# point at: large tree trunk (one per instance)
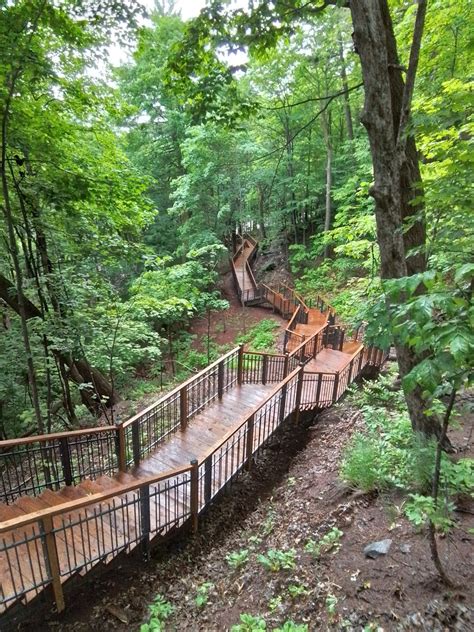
(397, 181)
(79, 370)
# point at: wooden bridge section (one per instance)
(75, 500)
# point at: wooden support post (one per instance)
(249, 443)
(240, 365)
(145, 521)
(285, 365)
(302, 349)
(361, 358)
(121, 448)
(194, 495)
(341, 339)
(335, 389)
(53, 561)
(65, 460)
(318, 389)
(136, 442)
(220, 379)
(183, 408)
(351, 364)
(281, 412)
(264, 369)
(299, 391)
(208, 480)
(316, 341)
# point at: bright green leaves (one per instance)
(437, 325)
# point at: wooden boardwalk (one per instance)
(205, 431)
(74, 500)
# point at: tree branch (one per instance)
(314, 99)
(411, 75)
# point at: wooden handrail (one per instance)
(305, 342)
(252, 413)
(291, 323)
(178, 388)
(92, 499)
(262, 353)
(12, 443)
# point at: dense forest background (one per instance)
(122, 187)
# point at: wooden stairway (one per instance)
(117, 488)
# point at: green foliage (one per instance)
(420, 509)
(291, 626)
(387, 455)
(331, 603)
(297, 590)
(249, 623)
(160, 611)
(260, 337)
(236, 559)
(202, 596)
(276, 560)
(329, 542)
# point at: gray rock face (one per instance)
(376, 549)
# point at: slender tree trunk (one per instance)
(79, 370)
(13, 248)
(261, 210)
(325, 123)
(345, 85)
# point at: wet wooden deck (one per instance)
(205, 430)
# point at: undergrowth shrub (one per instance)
(260, 337)
(387, 454)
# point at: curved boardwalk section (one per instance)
(74, 500)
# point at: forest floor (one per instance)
(292, 494)
(228, 325)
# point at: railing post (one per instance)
(281, 412)
(183, 408)
(350, 372)
(136, 442)
(285, 365)
(318, 389)
(249, 443)
(65, 460)
(194, 495)
(299, 391)
(144, 499)
(240, 365)
(302, 349)
(264, 369)
(208, 479)
(316, 340)
(220, 379)
(335, 389)
(121, 448)
(341, 339)
(361, 359)
(53, 561)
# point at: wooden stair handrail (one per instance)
(247, 415)
(91, 499)
(178, 388)
(13, 443)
